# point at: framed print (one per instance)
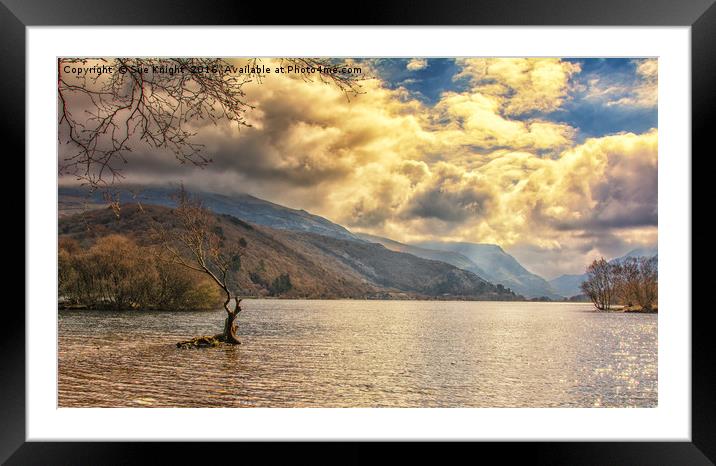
(425, 224)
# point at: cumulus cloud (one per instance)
(475, 119)
(639, 91)
(520, 85)
(416, 64)
(483, 164)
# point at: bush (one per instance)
(280, 285)
(116, 273)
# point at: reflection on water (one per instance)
(363, 354)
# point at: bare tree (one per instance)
(637, 281)
(124, 102)
(193, 243)
(650, 278)
(600, 285)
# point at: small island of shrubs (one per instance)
(628, 285)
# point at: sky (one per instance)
(553, 159)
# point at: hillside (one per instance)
(397, 270)
(243, 206)
(318, 266)
(449, 257)
(496, 266)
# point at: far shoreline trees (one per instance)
(632, 282)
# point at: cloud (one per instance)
(449, 194)
(475, 119)
(520, 85)
(416, 64)
(604, 183)
(638, 90)
(482, 164)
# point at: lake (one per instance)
(299, 353)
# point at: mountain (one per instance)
(638, 252)
(244, 206)
(449, 257)
(569, 285)
(401, 271)
(318, 266)
(496, 266)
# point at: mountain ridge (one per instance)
(490, 262)
(319, 267)
(244, 206)
(499, 266)
(453, 258)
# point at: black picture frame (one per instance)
(700, 15)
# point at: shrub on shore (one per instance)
(116, 273)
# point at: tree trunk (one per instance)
(227, 336)
(230, 335)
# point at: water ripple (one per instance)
(363, 354)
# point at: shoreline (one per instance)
(630, 310)
(80, 308)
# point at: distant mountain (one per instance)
(405, 272)
(318, 266)
(496, 266)
(449, 257)
(638, 252)
(569, 285)
(243, 206)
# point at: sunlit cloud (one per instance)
(417, 64)
(640, 90)
(520, 85)
(486, 162)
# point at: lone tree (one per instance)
(191, 241)
(600, 285)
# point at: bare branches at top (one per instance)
(631, 281)
(192, 241)
(102, 117)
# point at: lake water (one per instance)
(363, 354)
